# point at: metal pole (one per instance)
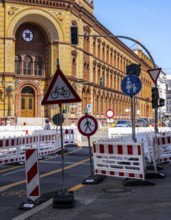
(156, 116)
(62, 148)
(133, 117)
(91, 163)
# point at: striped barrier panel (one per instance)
(119, 159)
(32, 174)
(13, 149)
(163, 144)
(68, 136)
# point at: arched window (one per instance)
(38, 66)
(17, 65)
(27, 65)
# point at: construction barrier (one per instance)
(32, 174)
(163, 145)
(119, 159)
(12, 149)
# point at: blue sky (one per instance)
(148, 20)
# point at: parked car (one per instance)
(123, 123)
(141, 123)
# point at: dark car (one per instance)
(141, 122)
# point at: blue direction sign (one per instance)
(131, 85)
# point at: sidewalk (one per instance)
(111, 200)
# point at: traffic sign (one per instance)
(110, 113)
(131, 85)
(58, 119)
(89, 107)
(87, 125)
(154, 73)
(60, 91)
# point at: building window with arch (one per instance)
(27, 65)
(17, 65)
(38, 66)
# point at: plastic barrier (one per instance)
(32, 174)
(163, 145)
(13, 149)
(119, 159)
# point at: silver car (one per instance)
(123, 123)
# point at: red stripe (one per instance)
(35, 192)
(163, 140)
(141, 176)
(130, 149)
(94, 148)
(32, 172)
(103, 171)
(7, 143)
(12, 142)
(66, 131)
(1, 143)
(121, 174)
(139, 150)
(120, 150)
(110, 149)
(112, 173)
(29, 152)
(101, 148)
(168, 140)
(131, 175)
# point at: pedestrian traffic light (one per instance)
(133, 69)
(102, 81)
(155, 97)
(161, 102)
(74, 35)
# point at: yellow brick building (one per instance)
(35, 33)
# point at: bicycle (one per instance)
(60, 91)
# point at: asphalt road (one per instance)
(13, 186)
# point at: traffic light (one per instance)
(155, 97)
(161, 102)
(74, 35)
(102, 81)
(133, 69)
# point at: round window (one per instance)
(27, 35)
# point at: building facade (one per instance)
(34, 34)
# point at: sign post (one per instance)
(154, 74)
(60, 91)
(87, 126)
(131, 85)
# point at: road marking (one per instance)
(2, 188)
(6, 174)
(11, 168)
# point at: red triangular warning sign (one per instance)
(154, 73)
(60, 91)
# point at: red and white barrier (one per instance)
(68, 136)
(163, 145)
(13, 149)
(119, 159)
(32, 174)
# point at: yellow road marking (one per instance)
(44, 175)
(11, 168)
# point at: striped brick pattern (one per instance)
(32, 174)
(119, 159)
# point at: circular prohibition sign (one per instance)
(87, 125)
